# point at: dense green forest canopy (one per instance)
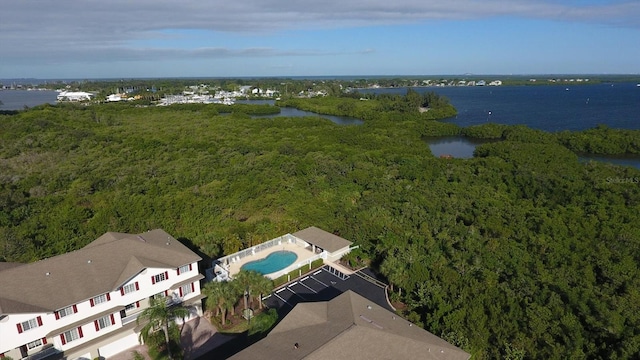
(411, 106)
(520, 251)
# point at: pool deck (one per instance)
(303, 255)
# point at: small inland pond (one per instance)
(453, 146)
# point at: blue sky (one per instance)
(144, 38)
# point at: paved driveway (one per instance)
(198, 337)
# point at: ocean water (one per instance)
(544, 107)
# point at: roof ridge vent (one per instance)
(371, 322)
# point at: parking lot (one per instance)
(325, 284)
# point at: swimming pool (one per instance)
(273, 262)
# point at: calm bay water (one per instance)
(18, 99)
(544, 107)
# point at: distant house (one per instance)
(348, 327)
(84, 304)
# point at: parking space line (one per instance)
(281, 298)
(316, 280)
(319, 281)
(296, 294)
(301, 283)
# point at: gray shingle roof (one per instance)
(102, 266)
(323, 239)
(348, 327)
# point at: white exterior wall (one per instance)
(332, 257)
(10, 339)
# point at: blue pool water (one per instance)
(273, 262)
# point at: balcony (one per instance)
(130, 318)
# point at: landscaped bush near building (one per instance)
(263, 322)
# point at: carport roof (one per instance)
(322, 239)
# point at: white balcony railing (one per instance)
(130, 318)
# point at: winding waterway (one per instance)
(545, 107)
(293, 112)
(462, 148)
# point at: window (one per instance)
(104, 322)
(71, 335)
(69, 310)
(29, 324)
(34, 344)
(160, 295)
(184, 269)
(127, 289)
(132, 306)
(160, 277)
(100, 299)
(186, 289)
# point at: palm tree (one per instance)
(263, 286)
(221, 296)
(157, 317)
(247, 282)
